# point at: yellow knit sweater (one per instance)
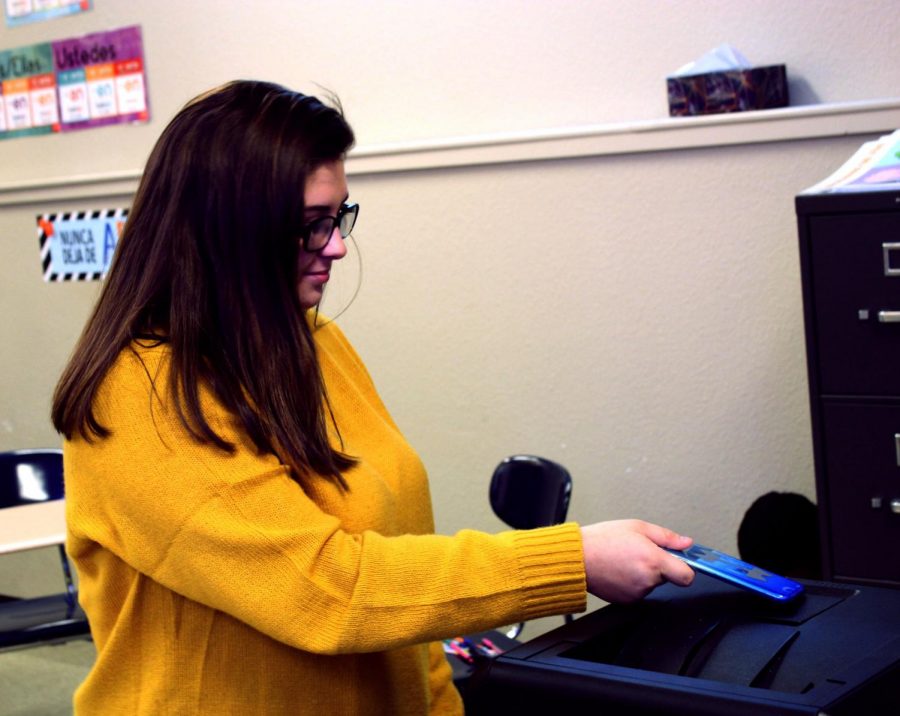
(214, 584)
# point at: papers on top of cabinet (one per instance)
(875, 166)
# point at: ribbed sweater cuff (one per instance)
(551, 565)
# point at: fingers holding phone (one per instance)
(624, 560)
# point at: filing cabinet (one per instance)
(850, 269)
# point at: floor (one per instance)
(40, 681)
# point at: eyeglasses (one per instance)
(316, 234)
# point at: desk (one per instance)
(42, 524)
(39, 620)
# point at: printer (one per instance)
(709, 649)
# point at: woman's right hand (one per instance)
(624, 560)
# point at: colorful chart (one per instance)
(79, 83)
(20, 12)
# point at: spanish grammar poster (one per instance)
(77, 83)
(21, 12)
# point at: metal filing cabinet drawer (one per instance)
(862, 461)
(856, 272)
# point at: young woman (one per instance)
(252, 533)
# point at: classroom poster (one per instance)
(78, 83)
(79, 246)
(27, 92)
(20, 12)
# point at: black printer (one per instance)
(709, 649)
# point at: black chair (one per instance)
(526, 492)
(28, 477)
(529, 492)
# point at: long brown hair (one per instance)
(208, 262)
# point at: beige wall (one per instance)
(638, 319)
(635, 317)
(425, 69)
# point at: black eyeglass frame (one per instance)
(336, 222)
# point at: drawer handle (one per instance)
(889, 316)
(886, 249)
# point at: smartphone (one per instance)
(731, 569)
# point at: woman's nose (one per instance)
(336, 248)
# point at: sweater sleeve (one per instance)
(236, 533)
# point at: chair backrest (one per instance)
(29, 476)
(529, 491)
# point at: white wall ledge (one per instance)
(668, 134)
(671, 133)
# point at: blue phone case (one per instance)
(731, 569)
